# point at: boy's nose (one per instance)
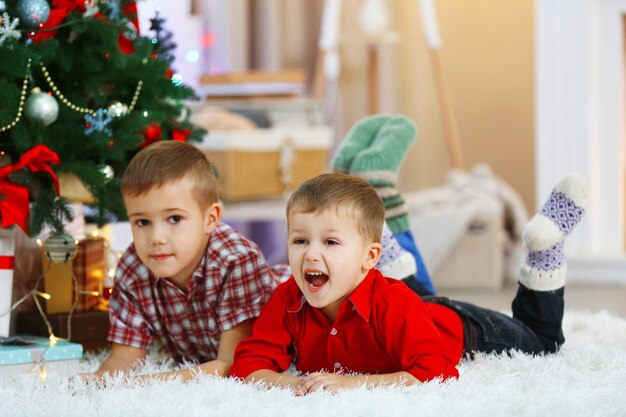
(158, 237)
(312, 254)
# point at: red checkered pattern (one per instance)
(231, 284)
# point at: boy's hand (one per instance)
(327, 382)
(88, 378)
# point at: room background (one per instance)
(534, 87)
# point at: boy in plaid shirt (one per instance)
(187, 280)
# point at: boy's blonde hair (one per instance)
(166, 161)
(337, 191)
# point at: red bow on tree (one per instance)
(15, 206)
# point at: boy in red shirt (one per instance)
(188, 280)
(344, 324)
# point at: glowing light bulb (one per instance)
(43, 372)
(43, 295)
(192, 56)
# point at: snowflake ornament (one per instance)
(98, 123)
(91, 8)
(7, 28)
(115, 9)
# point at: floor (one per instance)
(578, 297)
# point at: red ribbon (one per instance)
(181, 135)
(15, 207)
(7, 262)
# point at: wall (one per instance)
(488, 60)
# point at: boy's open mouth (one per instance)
(316, 279)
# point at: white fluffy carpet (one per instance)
(586, 378)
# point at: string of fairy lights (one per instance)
(62, 254)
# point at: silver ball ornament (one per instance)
(42, 108)
(60, 248)
(32, 13)
(117, 109)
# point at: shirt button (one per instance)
(337, 365)
(333, 331)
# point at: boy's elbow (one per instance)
(217, 367)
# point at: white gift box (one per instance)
(7, 261)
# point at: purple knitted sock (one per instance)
(544, 268)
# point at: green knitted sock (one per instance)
(379, 164)
(358, 138)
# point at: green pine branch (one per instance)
(91, 72)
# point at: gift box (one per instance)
(7, 261)
(263, 163)
(88, 267)
(90, 328)
(25, 353)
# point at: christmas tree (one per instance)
(80, 93)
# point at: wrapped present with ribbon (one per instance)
(89, 267)
(38, 354)
(7, 261)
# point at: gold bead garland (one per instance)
(20, 107)
(60, 95)
(85, 110)
(135, 96)
(64, 100)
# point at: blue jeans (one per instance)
(535, 327)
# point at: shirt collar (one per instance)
(361, 297)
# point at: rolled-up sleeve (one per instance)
(271, 344)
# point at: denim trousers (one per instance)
(535, 328)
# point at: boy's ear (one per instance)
(373, 255)
(213, 216)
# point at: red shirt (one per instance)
(231, 284)
(383, 327)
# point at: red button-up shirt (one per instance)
(383, 327)
(231, 284)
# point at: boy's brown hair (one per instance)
(166, 161)
(336, 191)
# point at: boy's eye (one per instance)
(332, 242)
(299, 241)
(175, 219)
(141, 222)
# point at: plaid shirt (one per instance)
(231, 284)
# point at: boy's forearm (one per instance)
(121, 359)
(118, 364)
(215, 368)
(274, 379)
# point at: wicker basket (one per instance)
(265, 163)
